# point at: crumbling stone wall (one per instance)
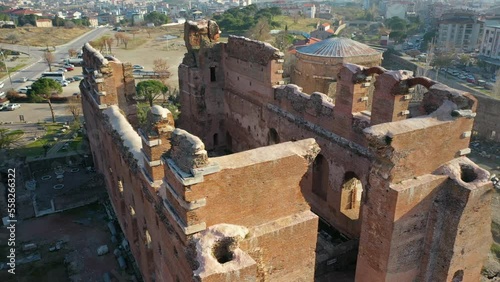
(109, 82)
(395, 155)
(486, 123)
(168, 196)
(203, 102)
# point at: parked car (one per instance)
(138, 67)
(23, 90)
(471, 80)
(11, 107)
(70, 79)
(70, 68)
(489, 85)
(62, 70)
(2, 84)
(77, 78)
(23, 79)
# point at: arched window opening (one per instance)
(320, 177)
(458, 276)
(212, 74)
(352, 191)
(147, 239)
(273, 137)
(216, 139)
(229, 142)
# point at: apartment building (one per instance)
(460, 31)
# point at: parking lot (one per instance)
(67, 90)
(36, 112)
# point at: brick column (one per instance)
(390, 98)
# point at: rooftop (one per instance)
(337, 47)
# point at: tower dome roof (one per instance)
(339, 47)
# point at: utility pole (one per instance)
(6, 68)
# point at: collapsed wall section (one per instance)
(169, 196)
(109, 82)
(377, 176)
(486, 123)
(201, 81)
(423, 195)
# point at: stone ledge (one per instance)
(196, 175)
(188, 230)
(185, 204)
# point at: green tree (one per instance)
(150, 90)
(157, 18)
(57, 21)
(4, 17)
(396, 23)
(398, 35)
(464, 59)
(443, 60)
(43, 89)
(27, 19)
(9, 137)
(428, 37)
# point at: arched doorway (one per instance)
(216, 140)
(320, 177)
(352, 191)
(273, 137)
(229, 142)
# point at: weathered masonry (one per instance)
(237, 193)
(391, 174)
(188, 216)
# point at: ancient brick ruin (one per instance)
(394, 176)
(229, 196)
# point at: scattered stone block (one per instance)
(29, 247)
(117, 252)
(30, 258)
(121, 262)
(102, 250)
(106, 277)
(112, 228)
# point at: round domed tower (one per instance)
(318, 64)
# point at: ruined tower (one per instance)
(394, 177)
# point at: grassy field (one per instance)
(52, 131)
(36, 148)
(49, 36)
(301, 24)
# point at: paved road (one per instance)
(38, 66)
